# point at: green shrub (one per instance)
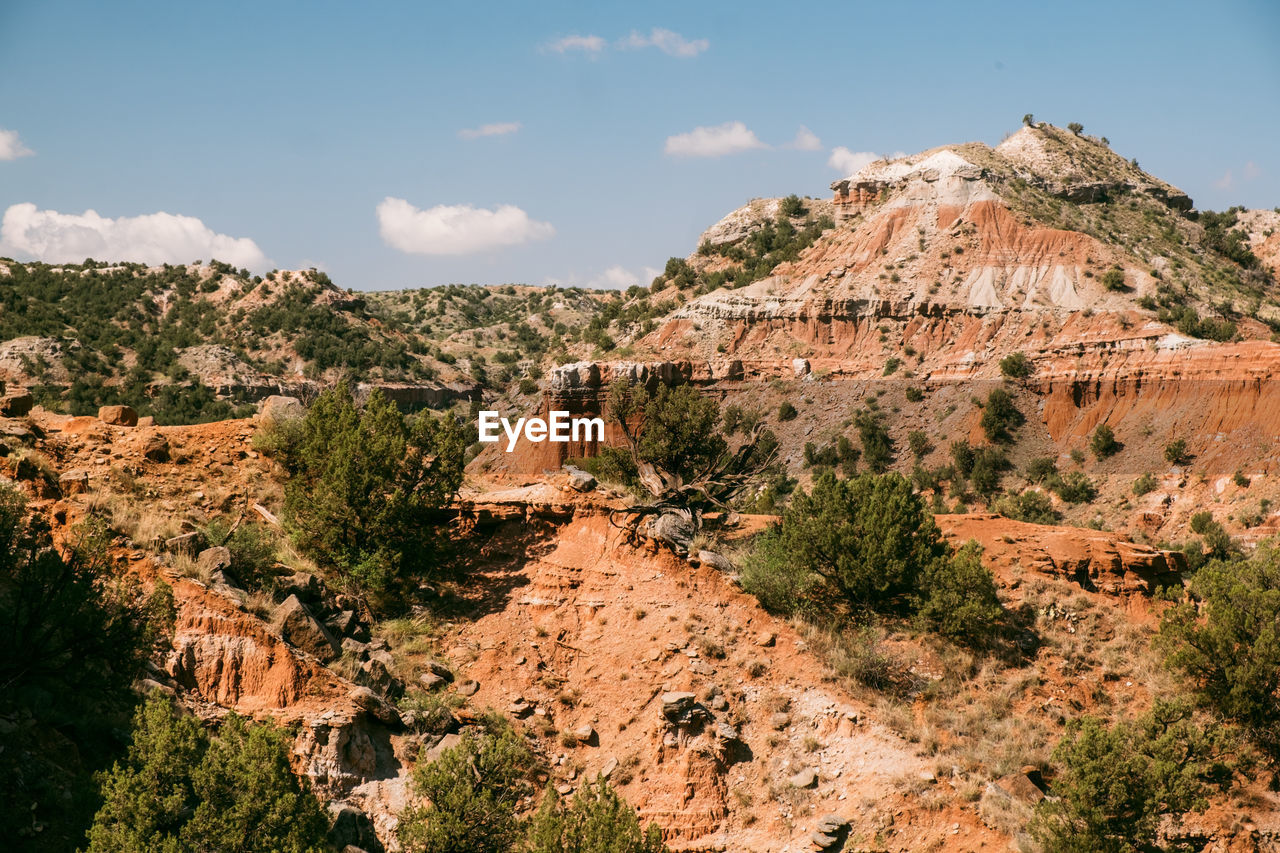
(181, 790)
(1201, 521)
(1103, 442)
(1117, 785)
(1000, 417)
(1040, 469)
(596, 820)
(610, 465)
(74, 634)
(958, 596)
(252, 547)
(1175, 452)
(362, 488)
(891, 365)
(791, 206)
(769, 573)
(989, 465)
(1074, 488)
(1034, 507)
(914, 395)
(1113, 279)
(1016, 366)
(877, 446)
(1144, 484)
(786, 411)
(919, 444)
(870, 536)
(473, 792)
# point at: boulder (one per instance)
(74, 483)
(447, 742)
(156, 449)
(579, 480)
(146, 421)
(439, 669)
(800, 367)
(376, 675)
(118, 415)
(715, 561)
(217, 558)
(429, 680)
(186, 543)
(676, 704)
(372, 704)
(296, 624)
(304, 585)
(355, 648)
(674, 529)
(584, 733)
(277, 408)
(467, 688)
(345, 624)
(1016, 786)
(350, 827)
(16, 404)
(806, 778)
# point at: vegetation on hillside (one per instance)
(362, 487)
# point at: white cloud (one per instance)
(11, 147)
(616, 277)
(498, 129)
(847, 162)
(1251, 171)
(153, 238)
(670, 43)
(455, 229)
(806, 140)
(728, 138)
(1226, 182)
(587, 44)
(619, 278)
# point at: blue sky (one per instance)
(290, 124)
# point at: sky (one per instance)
(418, 144)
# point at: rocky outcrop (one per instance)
(1094, 559)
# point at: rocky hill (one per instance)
(1071, 364)
(199, 342)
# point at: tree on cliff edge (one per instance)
(362, 487)
(681, 458)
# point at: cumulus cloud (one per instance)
(498, 129)
(806, 140)
(670, 43)
(847, 162)
(455, 229)
(618, 277)
(1226, 182)
(11, 147)
(153, 238)
(728, 138)
(592, 45)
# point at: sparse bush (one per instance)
(1000, 416)
(1113, 279)
(877, 446)
(1103, 442)
(1074, 488)
(182, 790)
(1175, 452)
(596, 820)
(1144, 484)
(1117, 784)
(1034, 507)
(919, 444)
(786, 411)
(1040, 469)
(959, 596)
(914, 395)
(362, 487)
(473, 791)
(1016, 366)
(1076, 127)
